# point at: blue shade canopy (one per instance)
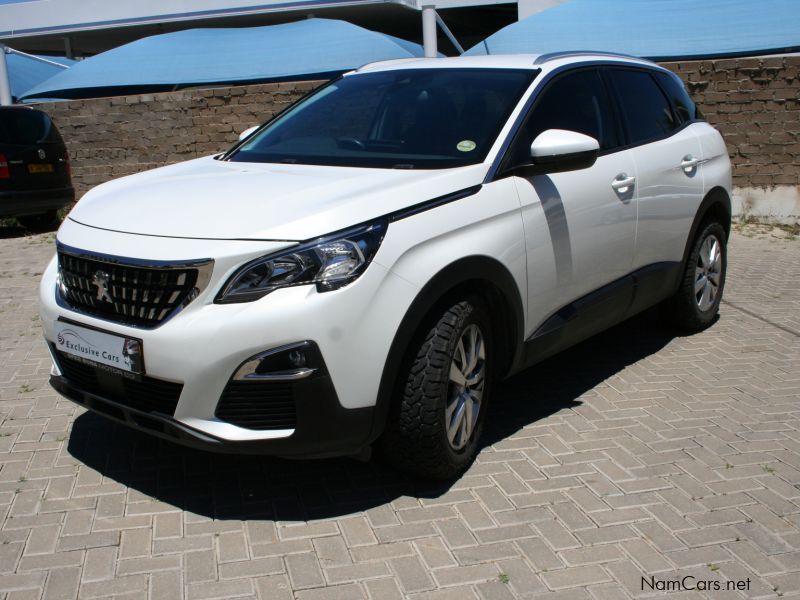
(655, 29)
(308, 49)
(25, 72)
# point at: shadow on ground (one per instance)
(11, 228)
(251, 487)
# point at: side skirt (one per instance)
(600, 310)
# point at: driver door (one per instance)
(580, 226)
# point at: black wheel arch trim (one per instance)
(715, 197)
(463, 272)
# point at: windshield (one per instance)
(405, 119)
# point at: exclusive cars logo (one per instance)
(72, 340)
(100, 280)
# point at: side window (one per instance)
(575, 102)
(644, 106)
(684, 107)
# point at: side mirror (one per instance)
(247, 132)
(558, 150)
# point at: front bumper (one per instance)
(200, 348)
(323, 427)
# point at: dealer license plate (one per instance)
(100, 348)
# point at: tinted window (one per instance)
(644, 106)
(575, 102)
(24, 126)
(684, 107)
(421, 118)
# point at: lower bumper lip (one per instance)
(324, 427)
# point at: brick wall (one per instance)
(112, 137)
(755, 102)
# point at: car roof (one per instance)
(546, 61)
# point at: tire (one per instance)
(43, 222)
(417, 438)
(694, 306)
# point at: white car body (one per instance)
(558, 238)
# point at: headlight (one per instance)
(330, 262)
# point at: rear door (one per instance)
(33, 150)
(668, 164)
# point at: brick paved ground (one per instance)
(637, 453)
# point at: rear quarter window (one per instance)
(645, 109)
(685, 108)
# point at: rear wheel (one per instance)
(440, 405)
(696, 302)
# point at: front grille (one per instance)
(142, 296)
(258, 405)
(147, 395)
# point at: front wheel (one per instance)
(440, 405)
(696, 302)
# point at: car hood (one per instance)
(212, 199)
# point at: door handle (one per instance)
(689, 162)
(622, 182)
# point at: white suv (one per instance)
(359, 271)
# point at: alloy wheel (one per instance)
(708, 273)
(467, 381)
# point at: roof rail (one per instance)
(543, 58)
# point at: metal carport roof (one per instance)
(656, 29)
(307, 49)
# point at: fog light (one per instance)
(297, 358)
(287, 363)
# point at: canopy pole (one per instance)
(449, 34)
(36, 58)
(5, 81)
(429, 31)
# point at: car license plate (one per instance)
(40, 168)
(100, 348)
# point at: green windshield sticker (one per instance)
(466, 145)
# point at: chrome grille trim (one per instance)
(138, 289)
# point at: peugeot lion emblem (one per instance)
(100, 280)
(42, 154)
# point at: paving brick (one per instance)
(435, 554)
(412, 575)
(275, 587)
(574, 577)
(62, 584)
(350, 591)
(357, 572)
(486, 553)
(100, 564)
(220, 589)
(464, 575)
(166, 585)
(521, 577)
(383, 589)
(304, 571)
(591, 555)
(331, 551)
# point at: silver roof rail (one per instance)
(543, 58)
